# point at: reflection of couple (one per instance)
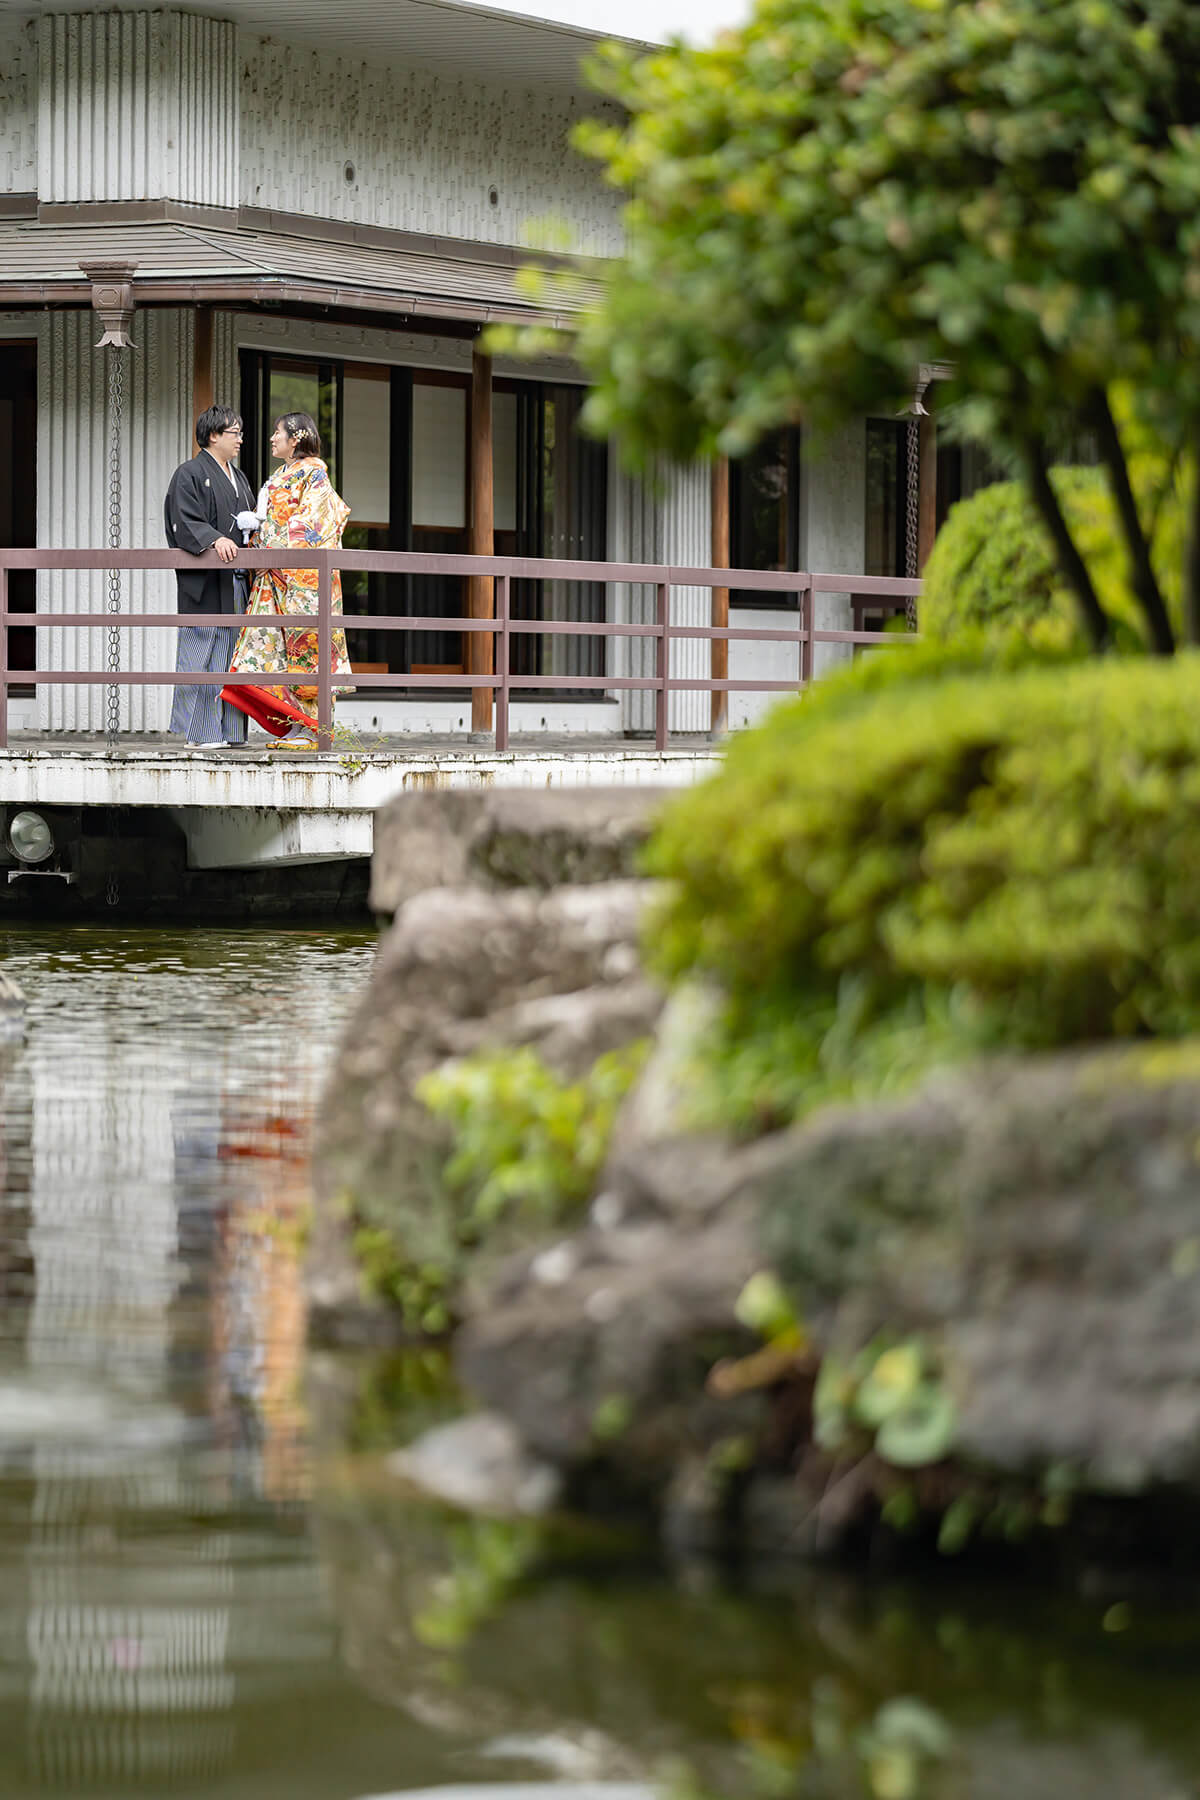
(210, 506)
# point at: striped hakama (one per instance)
(199, 713)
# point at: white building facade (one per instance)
(323, 208)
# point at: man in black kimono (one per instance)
(209, 503)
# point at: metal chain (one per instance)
(912, 507)
(116, 409)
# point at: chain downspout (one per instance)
(116, 412)
(113, 300)
(912, 509)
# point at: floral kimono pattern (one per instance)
(302, 507)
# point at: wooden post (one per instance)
(503, 613)
(926, 485)
(324, 652)
(808, 624)
(202, 362)
(480, 657)
(662, 666)
(719, 714)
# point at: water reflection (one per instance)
(210, 1589)
(153, 1151)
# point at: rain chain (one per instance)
(116, 408)
(912, 509)
(112, 708)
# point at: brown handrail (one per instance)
(505, 569)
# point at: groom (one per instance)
(206, 502)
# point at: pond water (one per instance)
(210, 1587)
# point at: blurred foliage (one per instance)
(526, 1151)
(888, 1397)
(524, 1141)
(845, 191)
(401, 1394)
(914, 863)
(765, 1306)
(903, 1751)
(421, 1291)
(487, 1558)
(993, 565)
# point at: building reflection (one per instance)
(151, 1432)
(16, 1149)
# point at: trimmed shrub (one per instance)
(966, 859)
(993, 565)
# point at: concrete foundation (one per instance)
(256, 833)
(133, 863)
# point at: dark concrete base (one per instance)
(131, 863)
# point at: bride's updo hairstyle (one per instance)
(302, 427)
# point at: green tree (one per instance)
(847, 190)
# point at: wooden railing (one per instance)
(488, 664)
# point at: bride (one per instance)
(298, 505)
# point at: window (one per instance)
(272, 385)
(398, 449)
(18, 485)
(887, 494)
(890, 446)
(764, 513)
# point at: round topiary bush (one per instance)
(993, 565)
(1016, 855)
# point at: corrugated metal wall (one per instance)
(226, 385)
(687, 540)
(73, 445)
(667, 520)
(634, 535)
(18, 108)
(424, 151)
(137, 106)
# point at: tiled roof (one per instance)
(40, 262)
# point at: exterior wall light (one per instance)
(29, 837)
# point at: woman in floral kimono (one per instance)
(298, 505)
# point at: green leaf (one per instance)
(921, 1432)
(891, 1385)
(764, 1307)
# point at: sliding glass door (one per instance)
(551, 500)
(18, 486)
(397, 443)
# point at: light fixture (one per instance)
(29, 837)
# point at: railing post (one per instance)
(808, 614)
(718, 718)
(501, 641)
(481, 541)
(325, 652)
(662, 665)
(3, 657)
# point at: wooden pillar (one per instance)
(480, 597)
(202, 363)
(719, 714)
(926, 485)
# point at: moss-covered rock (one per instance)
(461, 971)
(1036, 1222)
(507, 838)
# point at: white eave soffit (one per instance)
(449, 36)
